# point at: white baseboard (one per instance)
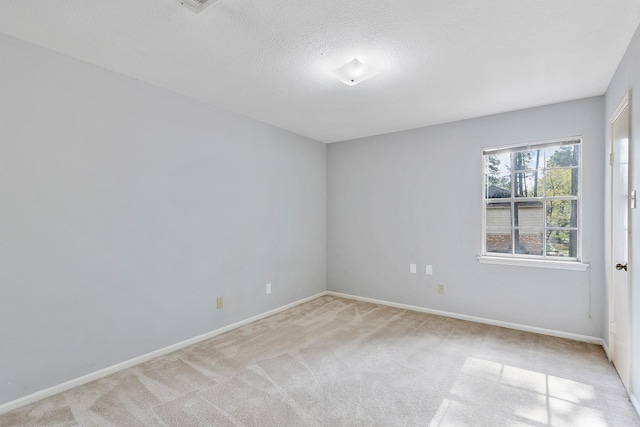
(605, 346)
(635, 403)
(39, 395)
(34, 397)
(509, 325)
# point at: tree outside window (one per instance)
(532, 200)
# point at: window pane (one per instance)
(532, 159)
(564, 156)
(531, 199)
(562, 213)
(498, 186)
(498, 241)
(498, 217)
(497, 163)
(528, 214)
(529, 242)
(528, 184)
(561, 182)
(562, 243)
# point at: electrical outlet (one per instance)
(412, 268)
(441, 289)
(219, 302)
(268, 290)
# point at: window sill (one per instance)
(537, 263)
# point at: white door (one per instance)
(620, 312)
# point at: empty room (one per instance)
(285, 213)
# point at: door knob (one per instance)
(621, 267)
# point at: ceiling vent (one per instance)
(197, 5)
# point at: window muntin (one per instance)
(532, 201)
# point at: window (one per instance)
(532, 201)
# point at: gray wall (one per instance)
(627, 78)
(416, 197)
(126, 210)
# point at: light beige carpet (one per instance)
(338, 362)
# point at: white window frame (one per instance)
(544, 260)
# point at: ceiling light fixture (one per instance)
(354, 72)
(197, 5)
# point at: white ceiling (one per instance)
(439, 61)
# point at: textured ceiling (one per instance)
(439, 61)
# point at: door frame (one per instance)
(625, 103)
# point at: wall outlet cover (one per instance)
(412, 268)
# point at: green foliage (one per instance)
(564, 156)
(494, 178)
(558, 182)
(493, 164)
(560, 177)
